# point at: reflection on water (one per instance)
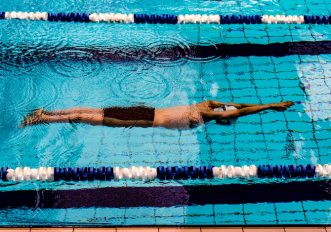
(166, 196)
(163, 53)
(315, 78)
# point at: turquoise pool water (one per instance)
(73, 76)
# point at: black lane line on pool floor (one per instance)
(168, 196)
(162, 52)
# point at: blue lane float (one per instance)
(164, 173)
(155, 19)
(167, 18)
(68, 17)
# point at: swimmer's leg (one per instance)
(113, 122)
(93, 119)
(77, 110)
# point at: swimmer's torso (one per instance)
(182, 117)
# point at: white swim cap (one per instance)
(227, 121)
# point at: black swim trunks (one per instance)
(130, 113)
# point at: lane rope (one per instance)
(164, 173)
(168, 18)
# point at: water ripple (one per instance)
(85, 61)
(142, 85)
(14, 136)
(75, 63)
(19, 93)
(204, 52)
(167, 52)
(34, 48)
(17, 59)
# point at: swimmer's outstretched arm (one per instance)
(246, 111)
(215, 104)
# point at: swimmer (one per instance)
(177, 117)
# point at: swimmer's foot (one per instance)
(32, 118)
(282, 106)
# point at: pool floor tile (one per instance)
(260, 229)
(94, 229)
(179, 229)
(305, 229)
(52, 229)
(15, 229)
(222, 229)
(174, 229)
(155, 229)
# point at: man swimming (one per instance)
(177, 117)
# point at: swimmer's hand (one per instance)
(281, 106)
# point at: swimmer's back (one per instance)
(181, 117)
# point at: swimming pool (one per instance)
(56, 65)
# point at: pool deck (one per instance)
(175, 229)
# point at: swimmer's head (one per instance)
(227, 121)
